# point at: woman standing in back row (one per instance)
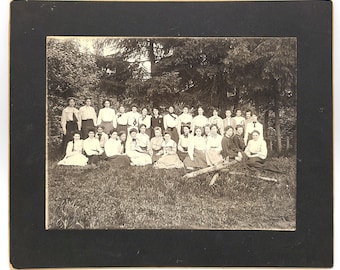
(70, 122)
(107, 117)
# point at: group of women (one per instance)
(169, 141)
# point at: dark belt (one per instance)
(144, 147)
(171, 128)
(185, 148)
(87, 120)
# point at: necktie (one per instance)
(135, 122)
(254, 124)
(100, 136)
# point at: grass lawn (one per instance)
(147, 198)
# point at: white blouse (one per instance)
(107, 115)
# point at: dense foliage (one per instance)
(256, 73)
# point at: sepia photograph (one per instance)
(171, 133)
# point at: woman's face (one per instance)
(142, 129)
(88, 102)
(155, 112)
(215, 113)
(144, 111)
(198, 132)
(134, 109)
(207, 130)
(107, 104)
(100, 130)
(123, 137)
(91, 134)
(167, 137)
(76, 137)
(158, 133)
(255, 136)
(186, 130)
(185, 110)
(213, 130)
(121, 109)
(71, 103)
(227, 113)
(171, 109)
(229, 132)
(239, 130)
(238, 113)
(114, 135)
(200, 111)
(133, 135)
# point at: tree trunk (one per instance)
(277, 124)
(270, 144)
(265, 124)
(151, 58)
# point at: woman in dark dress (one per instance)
(70, 122)
(156, 121)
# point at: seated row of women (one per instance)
(192, 151)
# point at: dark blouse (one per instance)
(157, 122)
(238, 142)
(228, 148)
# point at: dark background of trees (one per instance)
(223, 73)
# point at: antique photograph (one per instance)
(189, 133)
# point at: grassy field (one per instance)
(146, 198)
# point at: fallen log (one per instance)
(214, 168)
(255, 176)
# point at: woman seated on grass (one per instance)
(156, 142)
(169, 159)
(196, 151)
(114, 151)
(183, 143)
(228, 148)
(137, 155)
(122, 138)
(74, 152)
(92, 148)
(256, 151)
(214, 147)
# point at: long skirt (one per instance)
(121, 128)
(119, 161)
(255, 162)
(173, 133)
(71, 126)
(75, 160)
(107, 126)
(182, 155)
(199, 160)
(86, 125)
(139, 159)
(169, 162)
(213, 157)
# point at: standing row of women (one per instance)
(85, 119)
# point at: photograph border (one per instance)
(310, 245)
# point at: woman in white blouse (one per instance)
(74, 152)
(216, 120)
(107, 117)
(169, 159)
(256, 151)
(145, 119)
(196, 151)
(114, 150)
(137, 155)
(183, 143)
(171, 124)
(214, 147)
(200, 120)
(184, 119)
